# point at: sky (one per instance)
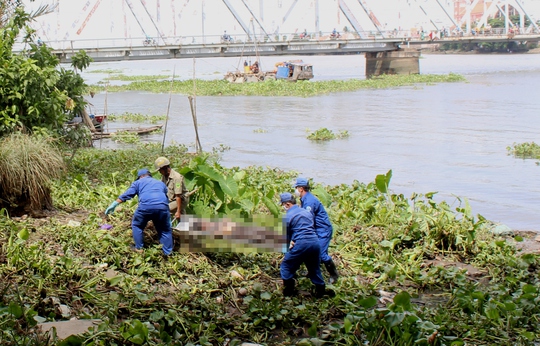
(116, 19)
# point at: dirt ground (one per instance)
(530, 243)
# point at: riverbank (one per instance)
(431, 49)
(410, 268)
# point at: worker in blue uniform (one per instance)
(322, 224)
(303, 247)
(153, 205)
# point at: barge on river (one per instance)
(292, 70)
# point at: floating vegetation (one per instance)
(128, 137)
(136, 118)
(392, 252)
(127, 78)
(104, 71)
(525, 150)
(325, 134)
(221, 149)
(279, 87)
(260, 130)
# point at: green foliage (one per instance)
(105, 71)
(398, 259)
(499, 22)
(282, 88)
(324, 134)
(36, 92)
(228, 192)
(487, 47)
(525, 150)
(125, 137)
(383, 181)
(123, 77)
(136, 117)
(80, 60)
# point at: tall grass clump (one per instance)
(28, 164)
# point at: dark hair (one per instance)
(306, 188)
(293, 200)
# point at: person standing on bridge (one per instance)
(321, 222)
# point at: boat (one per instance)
(137, 130)
(294, 70)
(290, 70)
(99, 118)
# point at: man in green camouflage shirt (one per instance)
(176, 188)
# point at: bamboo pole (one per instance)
(105, 112)
(193, 105)
(168, 109)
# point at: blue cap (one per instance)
(286, 197)
(143, 172)
(301, 182)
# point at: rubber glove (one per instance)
(111, 208)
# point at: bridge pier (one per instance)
(404, 61)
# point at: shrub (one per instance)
(27, 166)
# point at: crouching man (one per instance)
(304, 247)
(176, 188)
(153, 205)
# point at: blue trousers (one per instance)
(324, 242)
(307, 252)
(162, 222)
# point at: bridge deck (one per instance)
(296, 47)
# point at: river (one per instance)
(450, 137)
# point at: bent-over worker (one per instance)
(303, 247)
(176, 188)
(153, 205)
(322, 224)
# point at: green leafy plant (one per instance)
(324, 134)
(527, 150)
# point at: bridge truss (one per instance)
(203, 21)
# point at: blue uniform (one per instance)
(306, 249)
(322, 224)
(153, 205)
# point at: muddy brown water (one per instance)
(449, 138)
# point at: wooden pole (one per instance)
(193, 106)
(194, 116)
(168, 109)
(87, 121)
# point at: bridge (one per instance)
(129, 30)
(376, 48)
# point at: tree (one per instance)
(37, 96)
(35, 92)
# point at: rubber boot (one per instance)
(289, 289)
(332, 270)
(321, 291)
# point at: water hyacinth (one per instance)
(279, 87)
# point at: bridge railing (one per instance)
(171, 41)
